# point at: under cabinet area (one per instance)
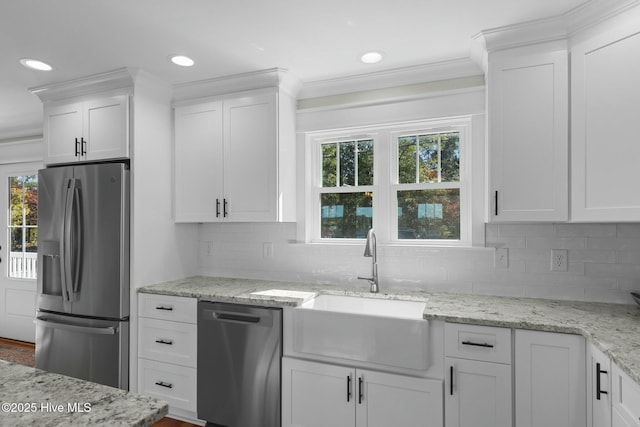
(234, 157)
(321, 394)
(87, 130)
(478, 376)
(528, 134)
(167, 353)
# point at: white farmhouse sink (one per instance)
(372, 330)
(367, 306)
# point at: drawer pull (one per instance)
(164, 307)
(164, 384)
(163, 341)
(478, 344)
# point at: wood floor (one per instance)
(20, 347)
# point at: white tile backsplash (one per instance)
(604, 260)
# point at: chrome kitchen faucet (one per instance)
(371, 250)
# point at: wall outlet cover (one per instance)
(559, 260)
(501, 259)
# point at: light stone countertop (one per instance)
(613, 328)
(30, 396)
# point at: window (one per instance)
(346, 192)
(408, 181)
(23, 226)
(428, 185)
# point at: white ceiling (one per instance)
(314, 40)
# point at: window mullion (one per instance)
(440, 157)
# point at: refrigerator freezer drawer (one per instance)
(89, 349)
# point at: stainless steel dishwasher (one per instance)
(239, 358)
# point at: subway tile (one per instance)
(585, 282)
(533, 230)
(592, 255)
(506, 242)
(628, 230)
(627, 257)
(608, 296)
(555, 242)
(629, 285)
(617, 244)
(585, 230)
(555, 292)
(493, 288)
(620, 271)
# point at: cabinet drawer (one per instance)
(485, 343)
(166, 307)
(166, 341)
(175, 384)
(626, 397)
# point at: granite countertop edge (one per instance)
(612, 328)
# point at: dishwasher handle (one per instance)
(235, 317)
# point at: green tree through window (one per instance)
(23, 226)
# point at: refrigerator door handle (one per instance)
(70, 263)
(78, 239)
(65, 253)
(49, 323)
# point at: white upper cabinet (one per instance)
(88, 130)
(528, 134)
(233, 158)
(605, 155)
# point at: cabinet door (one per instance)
(528, 137)
(598, 388)
(477, 394)
(317, 394)
(251, 157)
(198, 163)
(384, 400)
(550, 379)
(106, 128)
(625, 398)
(605, 127)
(62, 126)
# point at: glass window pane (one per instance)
(31, 199)
(16, 239)
(347, 163)
(428, 158)
(31, 239)
(329, 165)
(345, 215)
(429, 214)
(407, 160)
(450, 156)
(15, 200)
(365, 162)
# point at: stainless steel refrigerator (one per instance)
(82, 319)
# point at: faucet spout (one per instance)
(371, 251)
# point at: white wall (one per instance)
(604, 259)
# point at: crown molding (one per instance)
(261, 79)
(112, 80)
(395, 77)
(555, 28)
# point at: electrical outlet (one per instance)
(501, 259)
(559, 260)
(267, 250)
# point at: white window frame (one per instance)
(385, 179)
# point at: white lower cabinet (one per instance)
(549, 379)
(167, 352)
(598, 388)
(625, 399)
(478, 391)
(320, 394)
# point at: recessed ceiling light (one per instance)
(34, 64)
(372, 57)
(181, 60)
